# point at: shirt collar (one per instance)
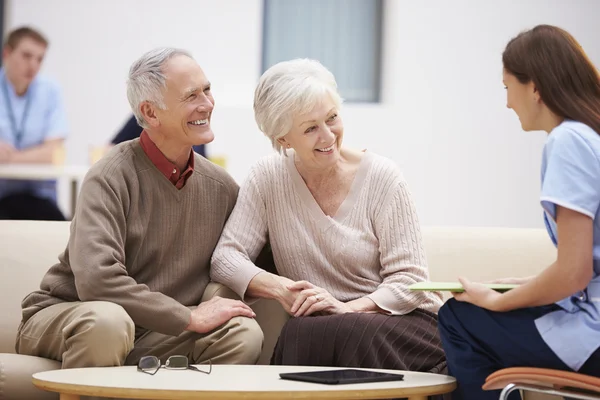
(166, 167)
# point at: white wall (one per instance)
(443, 118)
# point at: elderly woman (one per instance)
(343, 231)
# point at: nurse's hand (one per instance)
(6, 152)
(479, 295)
(513, 281)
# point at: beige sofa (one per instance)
(28, 248)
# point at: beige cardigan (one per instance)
(371, 247)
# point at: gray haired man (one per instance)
(132, 278)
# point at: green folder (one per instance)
(456, 286)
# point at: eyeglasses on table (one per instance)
(151, 364)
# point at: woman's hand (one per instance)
(312, 299)
(282, 294)
(479, 295)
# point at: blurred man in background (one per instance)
(33, 126)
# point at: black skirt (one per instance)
(364, 340)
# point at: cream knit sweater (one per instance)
(371, 247)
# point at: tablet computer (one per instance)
(456, 286)
(341, 376)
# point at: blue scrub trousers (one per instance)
(479, 342)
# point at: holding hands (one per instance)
(301, 298)
(310, 299)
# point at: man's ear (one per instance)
(149, 113)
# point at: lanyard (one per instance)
(16, 130)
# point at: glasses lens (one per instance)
(177, 362)
(149, 363)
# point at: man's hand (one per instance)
(6, 152)
(311, 299)
(479, 295)
(215, 312)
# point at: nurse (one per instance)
(551, 320)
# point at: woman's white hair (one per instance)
(288, 89)
(147, 79)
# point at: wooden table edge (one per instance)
(417, 392)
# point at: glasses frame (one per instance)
(167, 365)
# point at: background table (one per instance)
(33, 172)
(230, 382)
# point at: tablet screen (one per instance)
(342, 376)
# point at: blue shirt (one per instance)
(45, 119)
(571, 179)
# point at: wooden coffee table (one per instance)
(229, 382)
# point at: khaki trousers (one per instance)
(101, 334)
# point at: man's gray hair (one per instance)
(288, 89)
(147, 79)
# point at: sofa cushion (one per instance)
(27, 250)
(482, 254)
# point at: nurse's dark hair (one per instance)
(567, 81)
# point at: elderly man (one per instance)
(33, 125)
(151, 211)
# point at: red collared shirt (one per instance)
(168, 169)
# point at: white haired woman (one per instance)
(343, 231)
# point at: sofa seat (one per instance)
(29, 248)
